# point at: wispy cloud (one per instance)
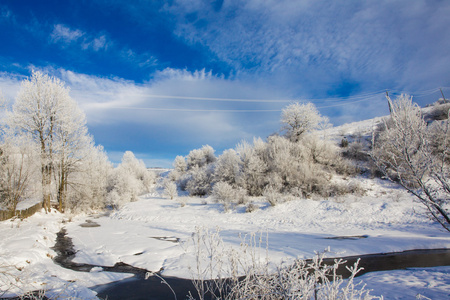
(317, 44)
(5, 13)
(65, 35)
(96, 44)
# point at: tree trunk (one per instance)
(46, 182)
(62, 190)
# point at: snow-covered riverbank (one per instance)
(154, 233)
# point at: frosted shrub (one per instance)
(439, 135)
(18, 170)
(138, 170)
(439, 112)
(195, 173)
(247, 273)
(303, 165)
(356, 151)
(251, 207)
(355, 188)
(179, 169)
(227, 167)
(321, 151)
(170, 189)
(340, 189)
(129, 180)
(132, 176)
(241, 195)
(179, 164)
(302, 160)
(198, 181)
(114, 200)
(253, 168)
(272, 196)
(182, 201)
(224, 193)
(200, 157)
(182, 180)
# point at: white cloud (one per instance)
(113, 101)
(10, 85)
(65, 35)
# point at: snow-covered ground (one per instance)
(154, 233)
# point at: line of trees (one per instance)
(46, 152)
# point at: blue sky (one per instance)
(161, 78)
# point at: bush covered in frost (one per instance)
(247, 273)
(301, 162)
(129, 180)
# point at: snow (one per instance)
(26, 260)
(430, 283)
(22, 205)
(154, 233)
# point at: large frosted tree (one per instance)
(298, 119)
(44, 110)
(406, 152)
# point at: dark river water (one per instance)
(154, 289)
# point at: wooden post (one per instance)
(445, 101)
(389, 101)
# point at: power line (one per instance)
(330, 99)
(196, 110)
(327, 102)
(225, 110)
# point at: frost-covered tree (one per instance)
(88, 188)
(180, 164)
(200, 157)
(227, 167)
(253, 166)
(17, 169)
(73, 147)
(140, 172)
(298, 119)
(179, 168)
(199, 180)
(198, 175)
(44, 110)
(170, 189)
(404, 153)
(129, 180)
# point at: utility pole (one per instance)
(389, 101)
(445, 101)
